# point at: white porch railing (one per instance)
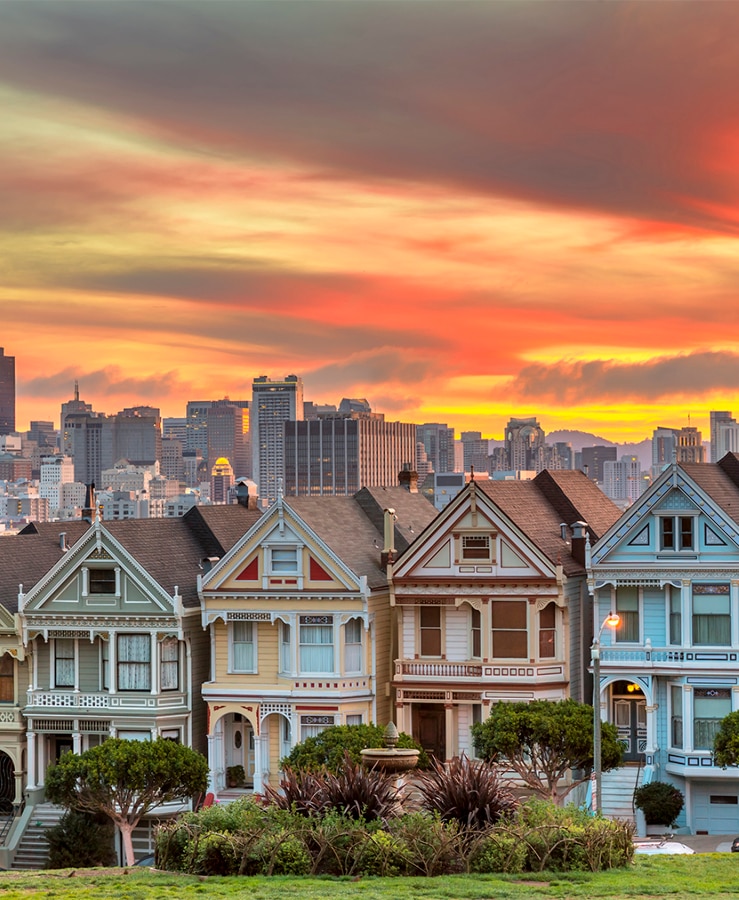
(667, 657)
(104, 700)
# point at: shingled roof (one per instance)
(539, 507)
(717, 481)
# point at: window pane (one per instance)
(353, 646)
(7, 679)
(510, 632)
(286, 663)
(710, 706)
(285, 559)
(676, 696)
(476, 546)
(668, 533)
(476, 633)
(430, 617)
(509, 613)
(134, 659)
(102, 581)
(711, 617)
(316, 648)
(510, 645)
(170, 665)
(64, 662)
(686, 532)
(627, 607)
(676, 619)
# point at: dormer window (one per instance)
(284, 560)
(102, 581)
(476, 547)
(676, 533)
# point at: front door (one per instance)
(62, 746)
(429, 729)
(630, 718)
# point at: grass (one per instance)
(651, 878)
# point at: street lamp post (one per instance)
(612, 620)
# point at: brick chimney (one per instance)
(408, 479)
(579, 541)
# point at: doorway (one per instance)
(429, 729)
(630, 719)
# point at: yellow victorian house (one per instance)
(299, 618)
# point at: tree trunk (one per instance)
(126, 829)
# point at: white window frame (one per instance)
(232, 650)
(485, 547)
(310, 726)
(73, 658)
(287, 658)
(123, 665)
(284, 559)
(354, 649)
(677, 534)
(326, 624)
(166, 665)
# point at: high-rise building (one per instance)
(336, 456)
(7, 393)
(228, 436)
(56, 471)
(475, 449)
(724, 435)
(221, 481)
(622, 479)
(438, 442)
(136, 435)
(273, 404)
(690, 447)
(524, 439)
(664, 449)
(593, 459)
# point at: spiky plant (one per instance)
(360, 793)
(471, 793)
(298, 791)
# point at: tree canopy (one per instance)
(543, 741)
(124, 780)
(726, 742)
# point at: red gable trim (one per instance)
(317, 572)
(251, 572)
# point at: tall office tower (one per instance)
(173, 465)
(56, 471)
(438, 441)
(664, 449)
(273, 404)
(593, 459)
(524, 438)
(724, 435)
(228, 436)
(7, 393)
(221, 481)
(690, 447)
(475, 449)
(89, 440)
(197, 425)
(75, 406)
(622, 479)
(175, 427)
(563, 456)
(43, 434)
(195, 468)
(337, 456)
(137, 435)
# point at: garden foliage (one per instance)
(327, 749)
(660, 802)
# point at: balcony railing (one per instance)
(105, 700)
(648, 657)
(495, 671)
(10, 716)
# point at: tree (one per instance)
(124, 780)
(327, 748)
(726, 742)
(542, 741)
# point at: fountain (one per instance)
(390, 758)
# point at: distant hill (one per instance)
(580, 439)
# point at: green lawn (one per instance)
(676, 877)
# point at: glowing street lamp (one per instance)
(612, 621)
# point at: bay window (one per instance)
(134, 662)
(510, 629)
(710, 706)
(64, 657)
(627, 608)
(286, 657)
(353, 646)
(676, 618)
(316, 639)
(169, 666)
(711, 615)
(243, 656)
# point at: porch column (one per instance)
(261, 762)
(76, 742)
(212, 750)
(31, 753)
(154, 664)
(450, 749)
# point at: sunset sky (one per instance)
(459, 210)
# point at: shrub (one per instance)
(499, 852)
(80, 839)
(660, 802)
(433, 847)
(353, 791)
(384, 854)
(327, 749)
(471, 793)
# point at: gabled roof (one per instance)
(718, 483)
(413, 510)
(540, 506)
(218, 528)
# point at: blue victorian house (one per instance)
(669, 672)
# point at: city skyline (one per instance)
(459, 211)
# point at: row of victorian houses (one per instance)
(242, 633)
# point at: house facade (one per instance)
(491, 605)
(670, 670)
(298, 615)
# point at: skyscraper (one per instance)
(475, 451)
(524, 439)
(724, 435)
(228, 436)
(273, 404)
(438, 442)
(338, 455)
(7, 393)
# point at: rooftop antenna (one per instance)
(76, 390)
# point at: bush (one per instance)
(327, 749)
(469, 792)
(660, 802)
(499, 852)
(353, 791)
(433, 847)
(80, 839)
